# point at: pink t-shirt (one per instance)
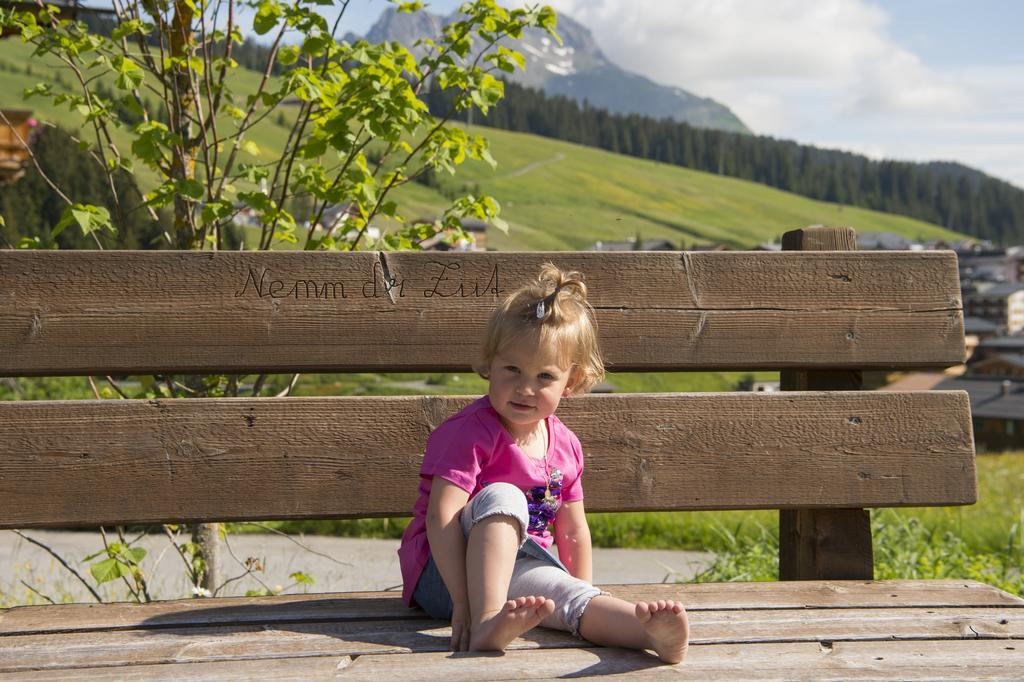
(472, 449)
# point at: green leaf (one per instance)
(129, 27)
(107, 570)
(300, 577)
(135, 555)
(267, 16)
(191, 188)
(30, 243)
(314, 45)
(37, 90)
(151, 138)
(288, 55)
(215, 210)
(88, 217)
(499, 223)
(129, 74)
(251, 148)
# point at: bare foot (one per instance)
(666, 625)
(516, 617)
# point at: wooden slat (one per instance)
(914, 660)
(821, 544)
(121, 312)
(116, 462)
(284, 669)
(825, 544)
(279, 610)
(357, 638)
(806, 661)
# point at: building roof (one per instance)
(1001, 290)
(916, 381)
(979, 325)
(1003, 342)
(986, 396)
(1013, 359)
(631, 245)
(886, 241)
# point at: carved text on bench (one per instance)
(443, 282)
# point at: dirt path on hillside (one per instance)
(533, 166)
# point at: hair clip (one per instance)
(542, 303)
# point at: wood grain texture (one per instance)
(123, 312)
(825, 544)
(282, 610)
(927, 660)
(913, 660)
(282, 669)
(380, 606)
(117, 462)
(821, 544)
(358, 638)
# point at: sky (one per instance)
(916, 80)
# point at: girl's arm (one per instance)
(448, 548)
(572, 535)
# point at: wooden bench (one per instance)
(819, 455)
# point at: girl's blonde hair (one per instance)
(555, 306)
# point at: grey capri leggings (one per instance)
(537, 572)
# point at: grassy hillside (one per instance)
(557, 195)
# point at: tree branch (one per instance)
(63, 563)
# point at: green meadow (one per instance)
(554, 195)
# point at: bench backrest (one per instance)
(116, 462)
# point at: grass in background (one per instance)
(984, 541)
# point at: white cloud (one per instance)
(839, 47)
(828, 73)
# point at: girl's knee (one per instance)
(497, 499)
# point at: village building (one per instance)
(1001, 304)
(885, 241)
(977, 330)
(982, 262)
(997, 410)
(445, 241)
(633, 244)
(999, 345)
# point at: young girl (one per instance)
(498, 472)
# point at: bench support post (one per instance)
(823, 544)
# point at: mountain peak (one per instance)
(576, 68)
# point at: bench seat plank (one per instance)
(90, 312)
(89, 463)
(311, 608)
(920, 660)
(902, 660)
(357, 638)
